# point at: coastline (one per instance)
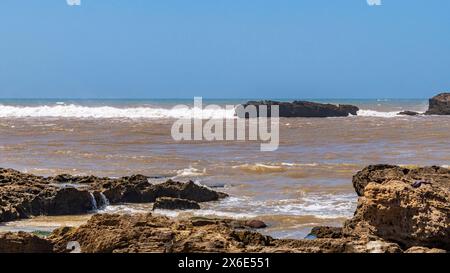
(389, 196)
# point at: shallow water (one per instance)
(306, 182)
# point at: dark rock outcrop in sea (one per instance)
(439, 105)
(24, 195)
(303, 109)
(174, 204)
(408, 113)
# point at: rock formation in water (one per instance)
(174, 204)
(302, 109)
(408, 113)
(439, 105)
(24, 195)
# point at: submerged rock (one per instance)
(174, 204)
(303, 109)
(439, 105)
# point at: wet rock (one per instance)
(256, 224)
(439, 105)
(174, 204)
(326, 232)
(23, 242)
(303, 109)
(408, 113)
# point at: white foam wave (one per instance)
(378, 114)
(98, 112)
(190, 172)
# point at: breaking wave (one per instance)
(99, 112)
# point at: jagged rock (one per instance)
(174, 204)
(147, 233)
(24, 195)
(408, 113)
(397, 212)
(439, 105)
(302, 109)
(23, 242)
(438, 176)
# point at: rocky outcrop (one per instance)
(439, 105)
(24, 195)
(302, 109)
(408, 113)
(174, 204)
(382, 173)
(23, 242)
(408, 206)
(147, 233)
(399, 210)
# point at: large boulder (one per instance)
(23, 242)
(302, 109)
(439, 105)
(408, 206)
(398, 212)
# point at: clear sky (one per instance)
(224, 49)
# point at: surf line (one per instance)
(221, 127)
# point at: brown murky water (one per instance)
(306, 182)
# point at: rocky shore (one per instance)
(399, 210)
(25, 195)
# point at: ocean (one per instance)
(305, 183)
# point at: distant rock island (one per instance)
(304, 109)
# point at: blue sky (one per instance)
(224, 49)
